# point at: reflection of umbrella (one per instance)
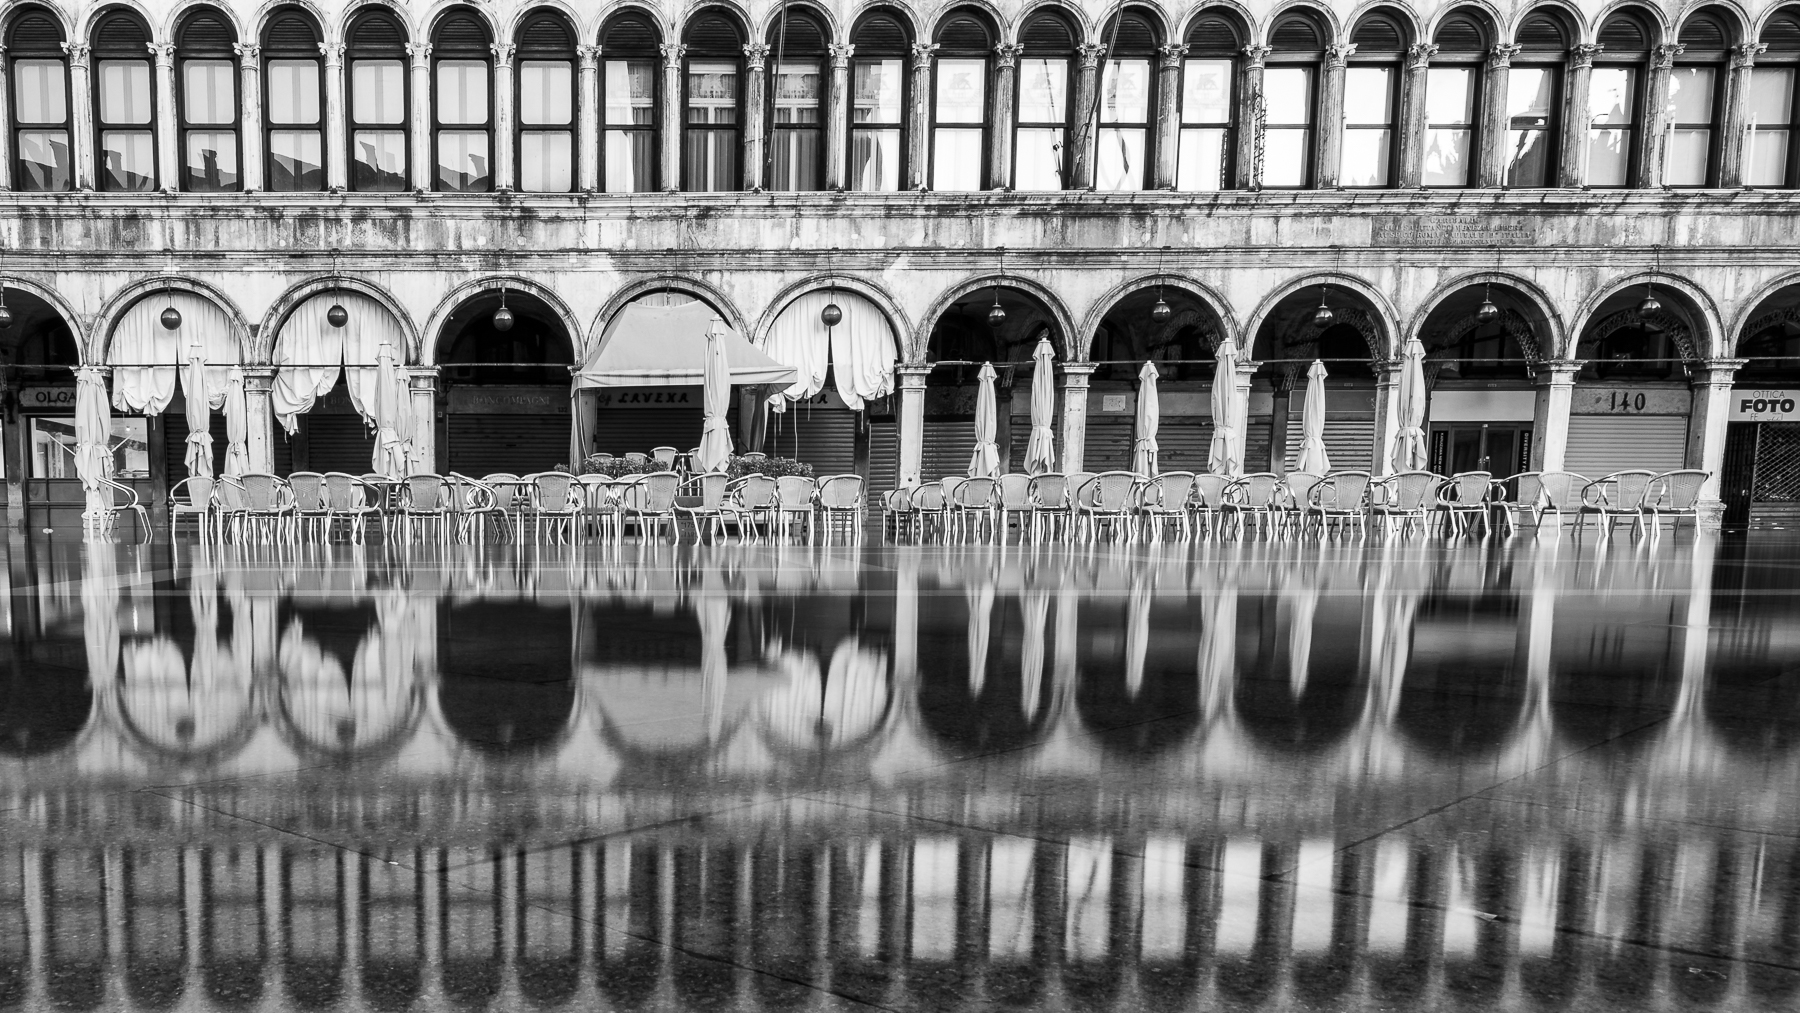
(715, 391)
(93, 434)
(981, 620)
(1409, 443)
(1036, 608)
(100, 614)
(830, 708)
(1313, 459)
(1040, 453)
(985, 463)
(1149, 416)
(715, 619)
(1218, 650)
(237, 426)
(1221, 457)
(391, 418)
(199, 413)
(1298, 604)
(1137, 637)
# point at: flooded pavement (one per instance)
(1420, 776)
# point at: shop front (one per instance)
(39, 463)
(1481, 429)
(506, 428)
(1627, 426)
(1761, 483)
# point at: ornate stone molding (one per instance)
(589, 56)
(164, 52)
(1171, 55)
(503, 53)
(1582, 57)
(673, 52)
(840, 53)
(1418, 55)
(1338, 55)
(333, 52)
(1744, 56)
(246, 52)
(78, 54)
(1090, 54)
(1006, 54)
(756, 56)
(1663, 56)
(1256, 56)
(922, 53)
(1501, 56)
(419, 51)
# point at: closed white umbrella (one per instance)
(715, 395)
(237, 426)
(199, 413)
(391, 416)
(1313, 458)
(93, 440)
(1040, 453)
(1149, 417)
(985, 462)
(1221, 457)
(1409, 444)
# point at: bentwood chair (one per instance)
(120, 499)
(1298, 498)
(1082, 488)
(794, 502)
(310, 508)
(1208, 503)
(950, 483)
(755, 498)
(1163, 499)
(192, 497)
(1015, 502)
(841, 499)
(1256, 497)
(1613, 497)
(928, 503)
(1340, 496)
(974, 502)
(664, 457)
(472, 502)
(426, 505)
(1463, 499)
(354, 500)
(1398, 500)
(510, 501)
(258, 503)
(1114, 502)
(1674, 494)
(713, 504)
(1049, 497)
(898, 514)
(651, 498)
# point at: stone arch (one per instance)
(704, 291)
(896, 317)
(907, 16)
(83, 339)
(115, 308)
(1557, 338)
(1209, 297)
(921, 337)
(260, 19)
(1381, 333)
(398, 10)
(1404, 14)
(1334, 30)
(834, 29)
(1700, 346)
(1747, 311)
(427, 352)
(1580, 29)
(525, 11)
(1153, 13)
(12, 9)
(1083, 24)
(270, 331)
(1496, 21)
(1653, 19)
(1738, 20)
(172, 19)
(484, 13)
(93, 16)
(1231, 10)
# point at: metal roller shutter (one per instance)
(281, 451)
(621, 432)
(338, 443)
(1182, 444)
(1021, 438)
(1108, 444)
(825, 439)
(515, 444)
(1602, 444)
(949, 444)
(1259, 440)
(884, 456)
(1350, 443)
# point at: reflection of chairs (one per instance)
(1674, 494)
(1341, 496)
(1462, 498)
(1402, 498)
(841, 498)
(1049, 497)
(192, 497)
(1613, 497)
(1164, 498)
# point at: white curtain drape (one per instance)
(861, 348)
(310, 354)
(145, 355)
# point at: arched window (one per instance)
(628, 84)
(1695, 91)
(1046, 94)
(1290, 100)
(711, 142)
(878, 102)
(796, 147)
(378, 102)
(462, 126)
(1769, 151)
(1534, 102)
(959, 105)
(1127, 104)
(1371, 102)
(1453, 101)
(546, 104)
(124, 100)
(206, 84)
(1204, 159)
(40, 103)
(294, 116)
(1615, 97)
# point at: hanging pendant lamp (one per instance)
(1323, 316)
(337, 315)
(1488, 311)
(503, 317)
(1651, 304)
(171, 317)
(832, 314)
(996, 314)
(1161, 312)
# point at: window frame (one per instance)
(353, 54)
(522, 56)
(1718, 62)
(1637, 61)
(1151, 60)
(99, 56)
(1313, 62)
(736, 127)
(1395, 64)
(14, 55)
(1202, 45)
(269, 55)
(1476, 63)
(868, 54)
(626, 53)
(1788, 60)
(440, 56)
(773, 128)
(1553, 123)
(183, 126)
(983, 178)
(1065, 166)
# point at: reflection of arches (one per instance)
(42, 709)
(833, 710)
(1138, 722)
(371, 710)
(201, 713)
(993, 709)
(519, 696)
(1267, 705)
(1460, 702)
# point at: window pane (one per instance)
(1287, 95)
(547, 161)
(1201, 159)
(1765, 158)
(462, 157)
(1285, 156)
(1771, 98)
(1688, 151)
(1611, 95)
(1037, 154)
(377, 92)
(876, 89)
(1366, 157)
(875, 160)
(797, 93)
(1528, 157)
(546, 93)
(124, 92)
(378, 160)
(462, 91)
(1691, 94)
(796, 159)
(126, 161)
(630, 92)
(293, 92)
(1529, 91)
(1368, 96)
(630, 165)
(1206, 91)
(1450, 95)
(1125, 92)
(1120, 165)
(712, 92)
(1043, 91)
(956, 160)
(296, 160)
(1609, 155)
(961, 91)
(53, 447)
(211, 160)
(712, 160)
(39, 91)
(43, 160)
(1447, 157)
(208, 95)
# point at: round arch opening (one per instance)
(40, 352)
(1181, 345)
(1481, 344)
(1632, 398)
(504, 358)
(1339, 327)
(1762, 458)
(967, 334)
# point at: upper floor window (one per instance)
(1371, 101)
(206, 83)
(1695, 93)
(293, 110)
(959, 103)
(378, 102)
(1203, 156)
(462, 113)
(711, 142)
(1534, 102)
(1614, 100)
(1290, 100)
(1770, 107)
(1046, 96)
(1127, 105)
(628, 89)
(545, 83)
(878, 102)
(796, 145)
(1452, 98)
(124, 101)
(41, 126)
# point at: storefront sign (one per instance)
(1630, 401)
(474, 400)
(1765, 406)
(47, 398)
(1115, 402)
(1483, 405)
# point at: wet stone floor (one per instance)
(1503, 775)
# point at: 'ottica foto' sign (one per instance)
(1765, 406)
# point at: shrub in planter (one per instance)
(774, 467)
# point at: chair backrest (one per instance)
(1081, 490)
(1015, 491)
(755, 492)
(665, 456)
(1410, 490)
(231, 495)
(636, 458)
(603, 457)
(1049, 490)
(1170, 490)
(124, 497)
(193, 492)
(1560, 489)
(595, 490)
(554, 492)
(265, 492)
(794, 492)
(309, 491)
(425, 493)
(841, 492)
(897, 501)
(1677, 490)
(753, 457)
(1209, 490)
(656, 491)
(506, 492)
(929, 498)
(1527, 487)
(709, 486)
(1621, 490)
(346, 492)
(1341, 490)
(1300, 485)
(949, 484)
(976, 493)
(1465, 487)
(1259, 490)
(1113, 491)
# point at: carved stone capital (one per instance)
(673, 52)
(503, 53)
(78, 54)
(164, 52)
(1582, 57)
(756, 55)
(1744, 56)
(589, 55)
(1663, 56)
(922, 53)
(1501, 56)
(1171, 55)
(1418, 55)
(246, 53)
(1006, 54)
(840, 53)
(1338, 55)
(1256, 56)
(1090, 54)
(419, 51)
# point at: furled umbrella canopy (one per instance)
(1221, 457)
(1149, 417)
(1313, 458)
(985, 462)
(391, 416)
(93, 438)
(1040, 452)
(715, 390)
(1410, 453)
(1035, 607)
(199, 412)
(237, 425)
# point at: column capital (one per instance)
(333, 52)
(1419, 54)
(92, 370)
(1075, 374)
(1501, 56)
(1663, 56)
(756, 55)
(673, 52)
(78, 54)
(1172, 54)
(921, 54)
(164, 52)
(247, 53)
(1339, 54)
(421, 378)
(840, 53)
(1090, 54)
(258, 379)
(1582, 56)
(503, 53)
(589, 55)
(1556, 372)
(419, 51)
(1387, 371)
(1255, 56)
(912, 377)
(1715, 372)
(1743, 56)
(1006, 54)
(1245, 369)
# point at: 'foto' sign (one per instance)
(1765, 406)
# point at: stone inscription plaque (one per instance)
(1453, 230)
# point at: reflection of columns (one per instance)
(337, 158)
(421, 113)
(837, 117)
(669, 133)
(1736, 113)
(1411, 141)
(912, 423)
(503, 116)
(261, 438)
(1577, 78)
(423, 386)
(1074, 413)
(1087, 88)
(588, 118)
(168, 165)
(1331, 116)
(81, 107)
(1706, 428)
(250, 71)
(1490, 160)
(1550, 417)
(1654, 146)
(1006, 82)
(1168, 114)
(1250, 119)
(918, 126)
(1387, 413)
(756, 100)
(1245, 373)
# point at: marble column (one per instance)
(1003, 116)
(1168, 115)
(918, 124)
(260, 419)
(81, 108)
(837, 118)
(1653, 148)
(6, 152)
(912, 423)
(422, 384)
(588, 120)
(1250, 119)
(1330, 157)
(1576, 81)
(1711, 410)
(337, 145)
(250, 115)
(1410, 138)
(756, 111)
(669, 131)
(1086, 111)
(168, 153)
(1244, 375)
(1387, 414)
(1074, 376)
(421, 114)
(1555, 379)
(1736, 118)
(1490, 160)
(505, 172)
